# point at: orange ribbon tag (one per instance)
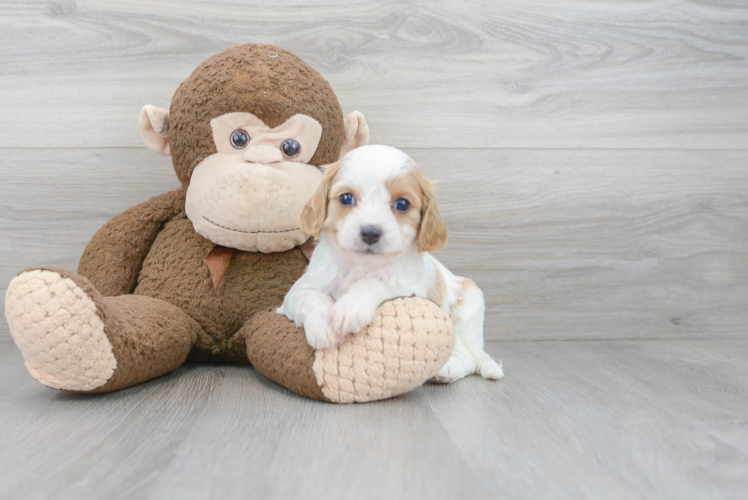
(218, 262)
(308, 247)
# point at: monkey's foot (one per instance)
(406, 344)
(55, 324)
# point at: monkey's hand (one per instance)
(114, 257)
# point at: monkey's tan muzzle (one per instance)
(253, 207)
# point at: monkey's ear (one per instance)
(153, 123)
(356, 132)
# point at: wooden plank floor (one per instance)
(588, 419)
(591, 165)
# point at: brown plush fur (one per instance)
(174, 271)
(152, 249)
(113, 257)
(253, 282)
(145, 269)
(269, 82)
(281, 353)
(149, 337)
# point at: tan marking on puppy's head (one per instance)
(315, 211)
(336, 211)
(406, 186)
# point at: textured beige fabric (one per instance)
(304, 129)
(55, 325)
(250, 206)
(406, 344)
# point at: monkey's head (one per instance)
(247, 133)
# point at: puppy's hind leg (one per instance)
(460, 364)
(467, 317)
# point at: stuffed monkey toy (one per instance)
(196, 273)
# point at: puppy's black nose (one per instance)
(370, 234)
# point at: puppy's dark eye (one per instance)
(346, 199)
(239, 138)
(402, 205)
(291, 147)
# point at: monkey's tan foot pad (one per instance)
(54, 323)
(406, 345)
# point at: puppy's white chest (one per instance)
(345, 282)
(399, 280)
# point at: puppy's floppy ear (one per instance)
(315, 211)
(432, 235)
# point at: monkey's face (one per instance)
(245, 131)
(250, 193)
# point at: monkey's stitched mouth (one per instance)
(249, 232)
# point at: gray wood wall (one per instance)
(591, 156)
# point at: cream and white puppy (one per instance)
(375, 219)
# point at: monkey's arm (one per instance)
(113, 258)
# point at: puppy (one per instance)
(375, 219)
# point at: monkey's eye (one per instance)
(402, 205)
(291, 147)
(346, 199)
(239, 138)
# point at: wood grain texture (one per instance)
(591, 159)
(566, 244)
(614, 420)
(474, 73)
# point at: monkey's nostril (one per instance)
(370, 234)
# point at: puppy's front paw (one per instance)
(350, 315)
(319, 334)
